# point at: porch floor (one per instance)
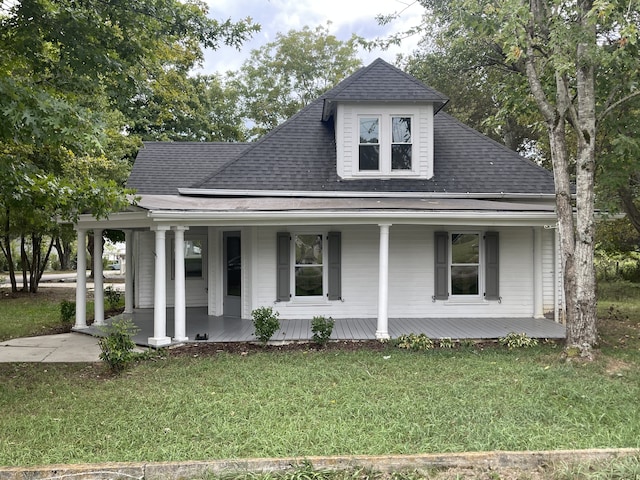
(229, 329)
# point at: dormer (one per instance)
(383, 120)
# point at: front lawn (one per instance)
(305, 403)
(317, 403)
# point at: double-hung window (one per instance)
(465, 264)
(385, 144)
(308, 265)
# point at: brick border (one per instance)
(384, 463)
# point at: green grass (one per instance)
(316, 403)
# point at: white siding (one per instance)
(411, 276)
(145, 268)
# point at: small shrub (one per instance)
(67, 311)
(112, 296)
(321, 327)
(416, 342)
(266, 323)
(517, 340)
(117, 346)
(446, 342)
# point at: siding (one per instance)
(410, 276)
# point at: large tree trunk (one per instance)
(6, 250)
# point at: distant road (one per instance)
(68, 279)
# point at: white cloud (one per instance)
(346, 17)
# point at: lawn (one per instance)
(304, 403)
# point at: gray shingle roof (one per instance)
(163, 167)
(381, 81)
(300, 154)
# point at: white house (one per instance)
(371, 202)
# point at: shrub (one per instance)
(112, 296)
(417, 342)
(265, 322)
(321, 327)
(117, 346)
(517, 340)
(67, 311)
(446, 342)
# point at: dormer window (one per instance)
(401, 146)
(385, 144)
(384, 141)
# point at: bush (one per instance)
(112, 296)
(117, 346)
(265, 322)
(67, 311)
(412, 341)
(321, 327)
(517, 340)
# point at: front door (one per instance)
(232, 275)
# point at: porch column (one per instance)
(98, 282)
(160, 338)
(81, 280)
(537, 274)
(382, 331)
(128, 271)
(180, 310)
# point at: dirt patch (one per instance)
(205, 349)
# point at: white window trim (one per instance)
(479, 298)
(310, 299)
(385, 142)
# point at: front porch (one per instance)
(229, 329)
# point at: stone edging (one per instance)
(383, 463)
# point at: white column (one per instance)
(160, 292)
(382, 331)
(98, 283)
(180, 310)
(538, 292)
(128, 271)
(81, 280)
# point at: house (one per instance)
(371, 202)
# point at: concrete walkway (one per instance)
(62, 348)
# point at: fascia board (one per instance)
(355, 218)
(122, 220)
(354, 194)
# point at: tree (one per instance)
(561, 48)
(180, 107)
(69, 73)
(285, 75)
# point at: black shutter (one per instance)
(441, 265)
(335, 266)
(283, 274)
(492, 270)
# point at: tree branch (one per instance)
(616, 104)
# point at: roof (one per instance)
(381, 81)
(300, 154)
(162, 168)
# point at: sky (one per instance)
(347, 17)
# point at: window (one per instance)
(385, 144)
(312, 261)
(308, 266)
(192, 258)
(369, 143)
(465, 263)
(401, 143)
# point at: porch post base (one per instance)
(159, 341)
(382, 335)
(180, 339)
